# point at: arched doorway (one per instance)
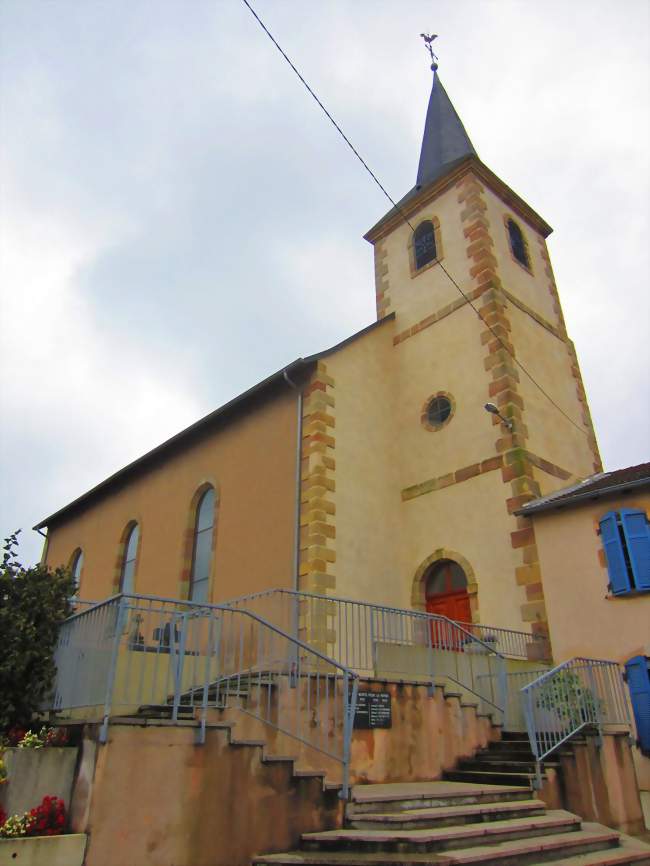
(446, 592)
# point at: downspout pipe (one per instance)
(296, 540)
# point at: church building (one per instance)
(372, 470)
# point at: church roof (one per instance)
(445, 140)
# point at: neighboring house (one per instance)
(372, 470)
(593, 540)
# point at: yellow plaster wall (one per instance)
(382, 447)
(530, 287)
(448, 357)
(250, 460)
(583, 619)
(468, 519)
(367, 493)
(549, 434)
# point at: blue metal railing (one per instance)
(580, 693)
(135, 650)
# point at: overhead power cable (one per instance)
(406, 219)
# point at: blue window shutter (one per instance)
(637, 538)
(618, 576)
(638, 682)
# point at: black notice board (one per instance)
(373, 710)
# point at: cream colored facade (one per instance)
(402, 495)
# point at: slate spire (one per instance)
(445, 140)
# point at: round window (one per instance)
(438, 410)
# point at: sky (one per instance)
(178, 219)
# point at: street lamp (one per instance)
(493, 410)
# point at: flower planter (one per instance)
(65, 850)
(34, 773)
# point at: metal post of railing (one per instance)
(349, 705)
(294, 602)
(110, 683)
(532, 735)
(180, 663)
(596, 703)
(206, 681)
(502, 679)
(432, 685)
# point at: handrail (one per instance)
(579, 693)
(510, 642)
(135, 650)
(82, 603)
(380, 639)
(513, 642)
(369, 605)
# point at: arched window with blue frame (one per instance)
(76, 565)
(129, 561)
(202, 547)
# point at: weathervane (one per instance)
(428, 39)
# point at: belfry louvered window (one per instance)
(424, 244)
(626, 541)
(518, 244)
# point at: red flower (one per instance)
(48, 819)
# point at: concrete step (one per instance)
(492, 761)
(280, 759)
(517, 746)
(491, 777)
(443, 838)
(610, 857)
(447, 816)
(400, 797)
(508, 747)
(164, 711)
(519, 852)
(492, 764)
(515, 736)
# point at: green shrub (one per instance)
(33, 604)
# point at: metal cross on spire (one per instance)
(428, 39)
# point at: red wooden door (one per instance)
(453, 605)
(447, 596)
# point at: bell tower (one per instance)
(463, 265)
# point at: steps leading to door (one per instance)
(457, 823)
(509, 761)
